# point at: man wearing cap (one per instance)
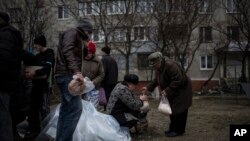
(10, 72)
(123, 105)
(93, 69)
(110, 70)
(176, 86)
(68, 63)
(39, 105)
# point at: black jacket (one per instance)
(10, 59)
(45, 59)
(110, 70)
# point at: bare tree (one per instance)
(119, 23)
(240, 15)
(29, 16)
(176, 23)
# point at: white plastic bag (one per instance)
(89, 85)
(92, 126)
(145, 108)
(77, 87)
(164, 106)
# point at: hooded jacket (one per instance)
(69, 53)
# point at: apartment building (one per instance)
(200, 34)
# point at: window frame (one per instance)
(116, 7)
(206, 62)
(99, 34)
(15, 14)
(142, 62)
(208, 9)
(176, 6)
(233, 8)
(140, 31)
(144, 7)
(231, 34)
(206, 32)
(64, 12)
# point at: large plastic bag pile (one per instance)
(92, 126)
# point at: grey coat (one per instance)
(172, 79)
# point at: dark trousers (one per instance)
(40, 87)
(123, 121)
(5, 118)
(108, 89)
(178, 122)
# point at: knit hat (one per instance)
(91, 47)
(85, 25)
(40, 40)
(154, 58)
(131, 78)
(4, 16)
(106, 50)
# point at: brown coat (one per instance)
(171, 78)
(69, 54)
(93, 69)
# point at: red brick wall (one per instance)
(196, 84)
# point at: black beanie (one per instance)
(4, 16)
(40, 40)
(131, 78)
(106, 50)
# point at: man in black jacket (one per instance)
(10, 72)
(40, 80)
(110, 70)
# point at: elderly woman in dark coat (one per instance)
(176, 86)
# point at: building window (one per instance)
(63, 12)
(142, 61)
(206, 6)
(177, 31)
(205, 34)
(116, 7)
(206, 62)
(231, 6)
(184, 63)
(119, 35)
(140, 33)
(15, 14)
(98, 35)
(81, 7)
(39, 16)
(88, 8)
(144, 7)
(175, 6)
(233, 33)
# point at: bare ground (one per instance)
(208, 119)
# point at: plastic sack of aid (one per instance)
(77, 87)
(92, 126)
(164, 106)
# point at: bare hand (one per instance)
(80, 76)
(144, 90)
(163, 93)
(144, 97)
(29, 74)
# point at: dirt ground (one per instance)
(208, 119)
